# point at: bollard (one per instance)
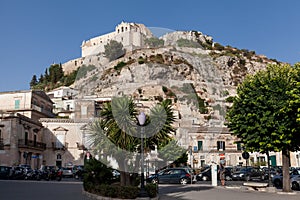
(214, 175)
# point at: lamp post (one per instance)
(142, 119)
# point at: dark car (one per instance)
(248, 173)
(171, 175)
(5, 172)
(205, 175)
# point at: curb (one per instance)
(90, 196)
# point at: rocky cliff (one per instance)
(192, 70)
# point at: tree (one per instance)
(116, 133)
(114, 50)
(33, 81)
(55, 73)
(265, 113)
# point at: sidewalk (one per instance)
(207, 192)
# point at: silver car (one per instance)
(295, 182)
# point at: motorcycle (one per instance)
(32, 175)
(55, 174)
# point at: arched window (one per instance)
(58, 156)
(122, 28)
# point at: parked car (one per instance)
(273, 172)
(67, 172)
(205, 175)
(248, 173)
(171, 175)
(295, 182)
(277, 179)
(5, 172)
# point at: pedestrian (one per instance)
(222, 172)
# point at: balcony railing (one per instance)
(42, 110)
(31, 144)
(59, 146)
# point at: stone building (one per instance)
(131, 35)
(65, 141)
(33, 104)
(21, 134)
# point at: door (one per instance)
(175, 176)
(165, 176)
(273, 160)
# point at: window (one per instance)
(17, 104)
(221, 145)
(34, 140)
(58, 156)
(200, 145)
(26, 138)
(83, 110)
(1, 141)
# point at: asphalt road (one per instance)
(70, 189)
(207, 192)
(40, 190)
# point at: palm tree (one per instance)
(116, 132)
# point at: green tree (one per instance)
(55, 73)
(33, 81)
(114, 50)
(265, 113)
(116, 132)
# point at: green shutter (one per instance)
(17, 104)
(200, 145)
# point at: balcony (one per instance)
(31, 144)
(59, 146)
(42, 110)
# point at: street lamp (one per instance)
(142, 119)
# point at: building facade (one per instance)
(21, 134)
(65, 140)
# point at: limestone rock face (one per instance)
(196, 73)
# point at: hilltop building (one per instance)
(131, 35)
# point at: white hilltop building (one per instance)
(131, 35)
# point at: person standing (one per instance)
(222, 172)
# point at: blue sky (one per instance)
(34, 33)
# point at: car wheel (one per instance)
(154, 181)
(295, 186)
(204, 178)
(247, 178)
(228, 178)
(277, 183)
(183, 181)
